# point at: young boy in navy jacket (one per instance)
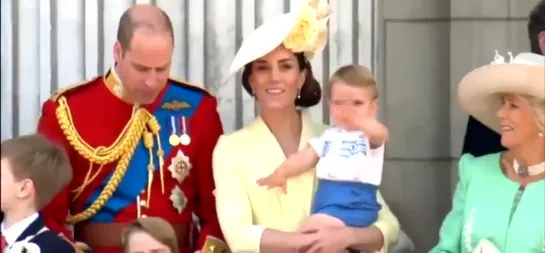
(33, 171)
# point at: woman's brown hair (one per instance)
(157, 228)
(309, 95)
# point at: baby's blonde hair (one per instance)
(354, 75)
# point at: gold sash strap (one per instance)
(121, 150)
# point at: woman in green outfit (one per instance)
(499, 202)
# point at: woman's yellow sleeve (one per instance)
(232, 203)
(387, 223)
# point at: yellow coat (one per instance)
(245, 209)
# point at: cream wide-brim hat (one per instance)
(302, 30)
(479, 92)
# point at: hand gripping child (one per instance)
(348, 158)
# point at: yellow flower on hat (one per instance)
(302, 30)
(304, 35)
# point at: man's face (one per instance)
(145, 67)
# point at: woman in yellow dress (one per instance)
(277, 72)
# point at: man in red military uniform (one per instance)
(140, 143)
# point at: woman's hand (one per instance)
(326, 240)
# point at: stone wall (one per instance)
(427, 47)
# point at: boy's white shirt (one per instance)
(347, 156)
(14, 231)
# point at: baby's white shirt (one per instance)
(347, 156)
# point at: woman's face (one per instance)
(276, 78)
(142, 242)
(517, 120)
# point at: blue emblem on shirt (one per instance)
(350, 148)
(326, 148)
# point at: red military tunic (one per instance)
(116, 183)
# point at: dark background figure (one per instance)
(536, 28)
(479, 139)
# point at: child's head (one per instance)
(33, 171)
(352, 91)
(150, 234)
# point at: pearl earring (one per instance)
(298, 94)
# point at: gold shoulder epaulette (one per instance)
(190, 85)
(63, 90)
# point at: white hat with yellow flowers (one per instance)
(302, 30)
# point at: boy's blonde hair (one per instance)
(157, 228)
(36, 158)
(354, 75)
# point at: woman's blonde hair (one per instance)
(157, 228)
(538, 106)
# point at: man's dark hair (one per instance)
(536, 24)
(128, 25)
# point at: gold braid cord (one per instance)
(122, 149)
(79, 247)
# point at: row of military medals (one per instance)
(175, 139)
(178, 199)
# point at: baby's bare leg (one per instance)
(317, 221)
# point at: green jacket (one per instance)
(484, 208)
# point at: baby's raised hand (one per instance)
(276, 179)
(368, 125)
(377, 132)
